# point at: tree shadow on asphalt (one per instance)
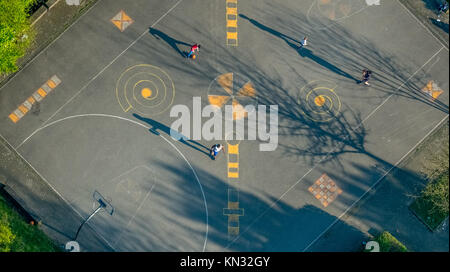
(169, 40)
(157, 126)
(304, 52)
(433, 5)
(345, 133)
(441, 25)
(269, 224)
(391, 75)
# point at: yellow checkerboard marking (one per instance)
(325, 190)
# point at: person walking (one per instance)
(303, 42)
(366, 76)
(195, 47)
(215, 149)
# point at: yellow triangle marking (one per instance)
(117, 23)
(226, 81)
(218, 100)
(436, 94)
(125, 17)
(247, 90)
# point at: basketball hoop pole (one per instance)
(102, 205)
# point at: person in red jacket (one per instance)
(195, 47)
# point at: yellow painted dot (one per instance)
(146, 92)
(319, 100)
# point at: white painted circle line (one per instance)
(146, 127)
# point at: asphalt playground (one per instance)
(91, 113)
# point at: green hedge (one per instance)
(15, 32)
(17, 235)
(389, 243)
(432, 206)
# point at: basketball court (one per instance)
(91, 113)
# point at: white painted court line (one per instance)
(375, 184)
(92, 79)
(45, 49)
(106, 67)
(147, 196)
(426, 28)
(59, 195)
(318, 163)
(146, 127)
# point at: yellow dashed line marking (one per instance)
(51, 84)
(31, 100)
(23, 109)
(41, 92)
(13, 117)
(38, 95)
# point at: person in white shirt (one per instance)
(215, 149)
(303, 42)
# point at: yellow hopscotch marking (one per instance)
(233, 211)
(231, 16)
(38, 95)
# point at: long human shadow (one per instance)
(303, 51)
(272, 31)
(441, 25)
(306, 53)
(169, 40)
(157, 126)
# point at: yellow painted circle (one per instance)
(146, 92)
(322, 104)
(319, 100)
